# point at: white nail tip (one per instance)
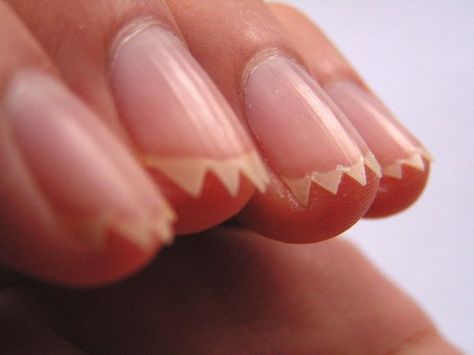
(424, 153)
(372, 163)
(415, 161)
(141, 231)
(190, 173)
(357, 172)
(330, 181)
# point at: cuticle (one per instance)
(260, 57)
(134, 27)
(345, 77)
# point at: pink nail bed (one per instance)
(303, 139)
(85, 173)
(392, 144)
(176, 116)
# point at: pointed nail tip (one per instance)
(257, 173)
(357, 172)
(372, 163)
(394, 171)
(364, 110)
(415, 161)
(229, 178)
(299, 188)
(166, 226)
(169, 214)
(178, 171)
(146, 236)
(424, 153)
(329, 181)
(189, 173)
(165, 234)
(143, 231)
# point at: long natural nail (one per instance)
(296, 129)
(176, 116)
(392, 144)
(85, 173)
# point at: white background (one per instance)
(419, 57)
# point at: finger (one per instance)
(127, 59)
(231, 291)
(75, 207)
(319, 182)
(405, 162)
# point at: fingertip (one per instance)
(68, 185)
(278, 215)
(397, 194)
(213, 205)
(119, 259)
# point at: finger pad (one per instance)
(396, 195)
(278, 215)
(214, 205)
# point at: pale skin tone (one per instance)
(224, 290)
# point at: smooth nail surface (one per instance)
(392, 144)
(175, 114)
(87, 176)
(295, 127)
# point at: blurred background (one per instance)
(419, 57)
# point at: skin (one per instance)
(225, 52)
(229, 291)
(89, 49)
(328, 65)
(225, 290)
(227, 65)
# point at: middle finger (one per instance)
(317, 162)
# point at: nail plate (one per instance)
(303, 139)
(89, 178)
(176, 116)
(392, 144)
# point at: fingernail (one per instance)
(297, 131)
(175, 114)
(89, 178)
(392, 144)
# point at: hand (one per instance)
(226, 291)
(111, 131)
